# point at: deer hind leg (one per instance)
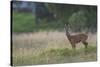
(85, 44)
(73, 46)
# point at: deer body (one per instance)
(74, 39)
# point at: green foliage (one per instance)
(23, 22)
(62, 11)
(91, 15)
(80, 18)
(77, 21)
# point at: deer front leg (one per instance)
(85, 44)
(74, 49)
(73, 46)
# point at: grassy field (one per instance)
(50, 48)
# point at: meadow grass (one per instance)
(50, 48)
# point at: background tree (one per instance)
(53, 16)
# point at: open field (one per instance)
(50, 48)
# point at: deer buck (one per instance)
(74, 39)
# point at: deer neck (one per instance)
(68, 35)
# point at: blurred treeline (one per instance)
(35, 16)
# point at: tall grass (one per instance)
(50, 47)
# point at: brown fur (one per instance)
(74, 39)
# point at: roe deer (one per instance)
(74, 39)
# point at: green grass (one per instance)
(53, 56)
(50, 48)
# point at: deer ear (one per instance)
(69, 25)
(65, 25)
